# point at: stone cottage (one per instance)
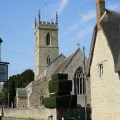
(104, 65)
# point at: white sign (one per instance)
(3, 72)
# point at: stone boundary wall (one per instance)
(38, 114)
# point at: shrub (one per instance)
(59, 76)
(61, 86)
(67, 101)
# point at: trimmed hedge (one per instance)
(60, 89)
(68, 101)
(49, 102)
(59, 76)
(61, 86)
(60, 94)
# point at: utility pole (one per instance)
(84, 69)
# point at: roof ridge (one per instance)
(72, 55)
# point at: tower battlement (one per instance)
(46, 24)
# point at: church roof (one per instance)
(22, 92)
(110, 23)
(53, 62)
(65, 63)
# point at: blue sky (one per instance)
(76, 21)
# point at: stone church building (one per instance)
(48, 61)
(104, 65)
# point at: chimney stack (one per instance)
(100, 9)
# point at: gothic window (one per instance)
(48, 59)
(79, 84)
(48, 39)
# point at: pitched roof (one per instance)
(22, 92)
(61, 55)
(110, 24)
(65, 63)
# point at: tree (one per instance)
(16, 81)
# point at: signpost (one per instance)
(3, 70)
(3, 67)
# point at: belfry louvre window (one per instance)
(48, 39)
(79, 83)
(100, 67)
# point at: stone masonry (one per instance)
(105, 90)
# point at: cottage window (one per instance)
(79, 83)
(100, 67)
(48, 39)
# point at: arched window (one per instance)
(48, 59)
(79, 84)
(48, 39)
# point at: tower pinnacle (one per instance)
(56, 18)
(35, 22)
(39, 16)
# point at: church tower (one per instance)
(46, 43)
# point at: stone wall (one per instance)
(21, 102)
(39, 89)
(38, 114)
(105, 89)
(47, 114)
(50, 114)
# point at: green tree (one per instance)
(16, 81)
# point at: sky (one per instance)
(77, 19)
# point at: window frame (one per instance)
(79, 82)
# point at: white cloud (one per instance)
(87, 17)
(62, 5)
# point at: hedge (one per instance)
(59, 76)
(60, 94)
(68, 101)
(60, 86)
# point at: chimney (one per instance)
(100, 9)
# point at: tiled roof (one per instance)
(22, 92)
(65, 63)
(110, 24)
